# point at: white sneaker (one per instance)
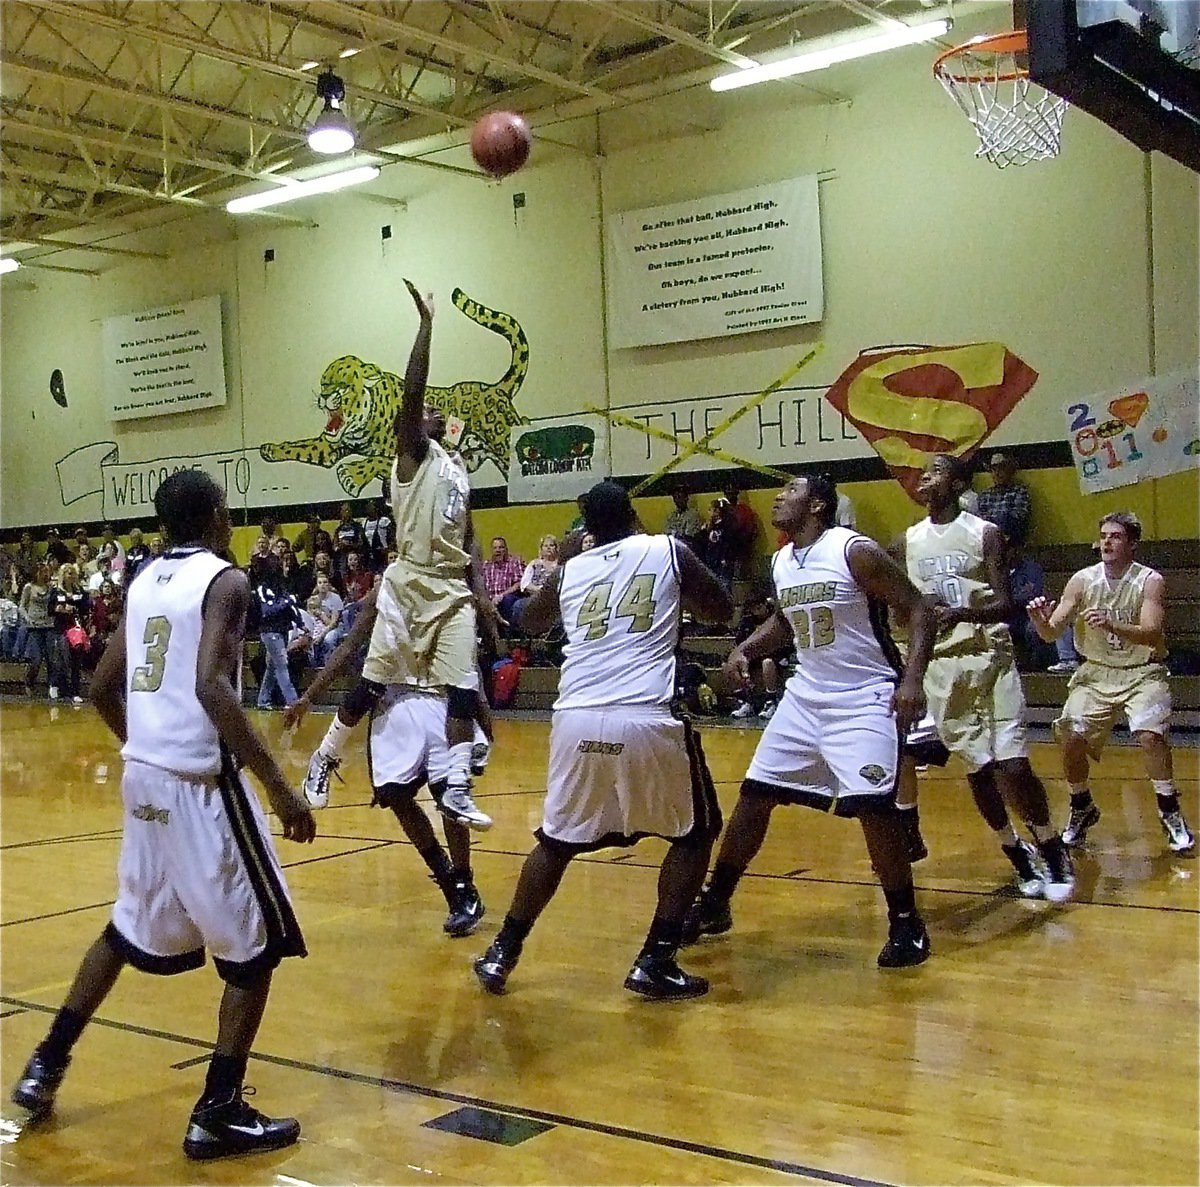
(1030, 872)
(767, 711)
(77, 700)
(460, 807)
(1063, 666)
(54, 692)
(745, 709)
(1179, 836)
(316, 779)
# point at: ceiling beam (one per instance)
(633, 15)
(42, 241)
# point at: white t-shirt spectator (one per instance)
(844, 515)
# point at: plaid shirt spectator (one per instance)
(500, 576)
(1009, 508)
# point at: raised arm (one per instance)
(1051, 618)
(220, 656)
(881, 578)
(412, 442)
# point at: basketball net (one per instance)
(1016, 120)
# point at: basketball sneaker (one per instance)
(745, 709)
(707, 916)
(1059, 882)
(768, 711)
(480, 753)
(1179, 836)
(1080, 821)
(907, 944)
(466, 908)
(1031, 875)
(660, 978)
(321, 767)
(493, 967)
(910, 826)
(38, 1084)
(457, 804)
(234, 1127)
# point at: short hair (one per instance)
(1127, 520)
(823, 487)
(186, 503)
(960, 468)
(608, 511)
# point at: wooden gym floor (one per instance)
(1040, 1044)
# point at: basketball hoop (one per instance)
(1016, 120)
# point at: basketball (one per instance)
(500, 143)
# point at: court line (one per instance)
(567, 1122)
(99, 835)
(10, 1013)
(56, 914)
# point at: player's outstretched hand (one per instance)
(1040, 609)
(294, 815)
(908, 704)
(294, 714)
(424, 304)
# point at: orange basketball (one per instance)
(500, 143)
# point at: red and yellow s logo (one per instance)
(913, 401)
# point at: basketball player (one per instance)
(1117, 608)
(622, 767)
(834, 742)
(197, 869)
(972, 686)
(406, 749)
(424, 631)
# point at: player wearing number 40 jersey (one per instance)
(834, 741)
(622, 767)
(197, 868)
(972, 686)
(1117, 608)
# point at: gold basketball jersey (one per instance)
(1122, 599)
(430, 514)
(946, 560)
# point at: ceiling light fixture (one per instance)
(8, 264)
(310, 65)
(291, 190)
(835, 49)
(350, 51)
(331, 132)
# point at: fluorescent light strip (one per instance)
(820, 58)
(303, 189)
(8, 264)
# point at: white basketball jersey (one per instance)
(946, 560)
(620, 609)
(430, 514)
(842, 641)
(1123, 601)
(166, 725)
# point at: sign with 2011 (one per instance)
(1146, 430)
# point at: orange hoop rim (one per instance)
(1015, 41)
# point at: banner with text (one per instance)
(728, 264)
(162, 361)
(1146, 430)
(557, 459)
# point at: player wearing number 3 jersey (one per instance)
(622, 766)
(972, 686)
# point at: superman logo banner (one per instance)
(912, 401)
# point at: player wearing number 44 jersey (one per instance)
(972, 686)
(197, 867)
(622, 767)
(834, 741)
(1117, 608)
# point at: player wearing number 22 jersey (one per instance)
(834, 741)
(622, 766)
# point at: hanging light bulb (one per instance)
(331, 131)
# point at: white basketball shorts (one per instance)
(835, 751)
(197, 871)
(407, 742)
(617, 775)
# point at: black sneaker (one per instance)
(1077, 826)
(493, 967)
(235, 1127)
(708, 916)
(662, 979)
(38, 1084)
(466, 908)
(907, 944)
(910, 825)
(1059, 883)
(1030, 874)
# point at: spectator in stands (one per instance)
(759, 607)
(106, 616)
(104, 572)
(356, 581)
(1006, 503)
(684, 523)
(587, 543)
(323, 542)
(269, 528)
(379, 535)
(348, 537)
(81, 537)
(10, 625)
(281, 546)
(297, 578)
(305, 544)
(156, 547)
(278, 613)
(261, 559)
(743, 528)
(136, 555)
(331, 600)
(536, 574)
(36, 643)
(70, 609)
(26, 559)
(720, 548)
(87, 563)
(577, 522)
(57, 552)
(502, 574)
(114, 550)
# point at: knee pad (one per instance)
(461, 703)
